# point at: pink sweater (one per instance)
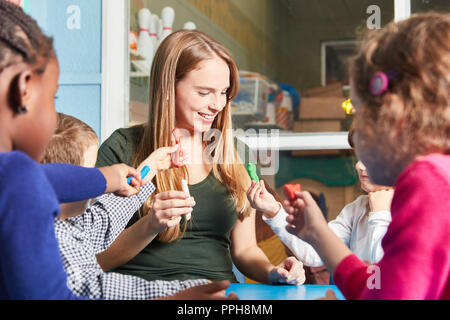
(416, 262)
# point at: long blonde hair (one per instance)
(177, 55)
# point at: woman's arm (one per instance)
(109, 215)
(246, 254)
(127, 245)
(252, 261)
(167, 210)
(302, 250)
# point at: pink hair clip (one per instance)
(380, 82)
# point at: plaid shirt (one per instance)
(82, 237)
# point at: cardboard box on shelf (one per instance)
(317, 126)
(332, 90)
(321, 108)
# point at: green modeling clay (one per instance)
(252, 172)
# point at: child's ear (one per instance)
(20, 91)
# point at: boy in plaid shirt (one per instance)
(85, 232)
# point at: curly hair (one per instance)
(413, 117)
(21, 39)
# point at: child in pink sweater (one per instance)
(401, 94)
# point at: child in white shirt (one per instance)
(361, 225)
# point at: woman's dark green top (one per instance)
(204, 250)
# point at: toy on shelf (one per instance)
(144, 42)
(167, 18)
(250, 106)
(189, 26)
(132, 41)
(152, 31)
(348, 107)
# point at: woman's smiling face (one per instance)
(202, 94)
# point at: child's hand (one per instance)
(290, 271)
(168, 208)
(381, 200)
(161, 159)
(116, 180)
(261, 199)
(210, 291)
(305, 216)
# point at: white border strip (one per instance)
(115, 66)
(402, 9)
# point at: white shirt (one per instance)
(361, 234)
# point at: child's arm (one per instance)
(379, 220)
(378, 226)
(109, 215)
(73, 183)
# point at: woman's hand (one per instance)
(305, 217)
(290, 271)
(168, 208)
(262, 200)
(381, 200)
(330, 295)
(210, 291)
(116, 180)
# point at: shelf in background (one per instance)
(297, 141)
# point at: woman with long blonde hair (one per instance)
(192, 82)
